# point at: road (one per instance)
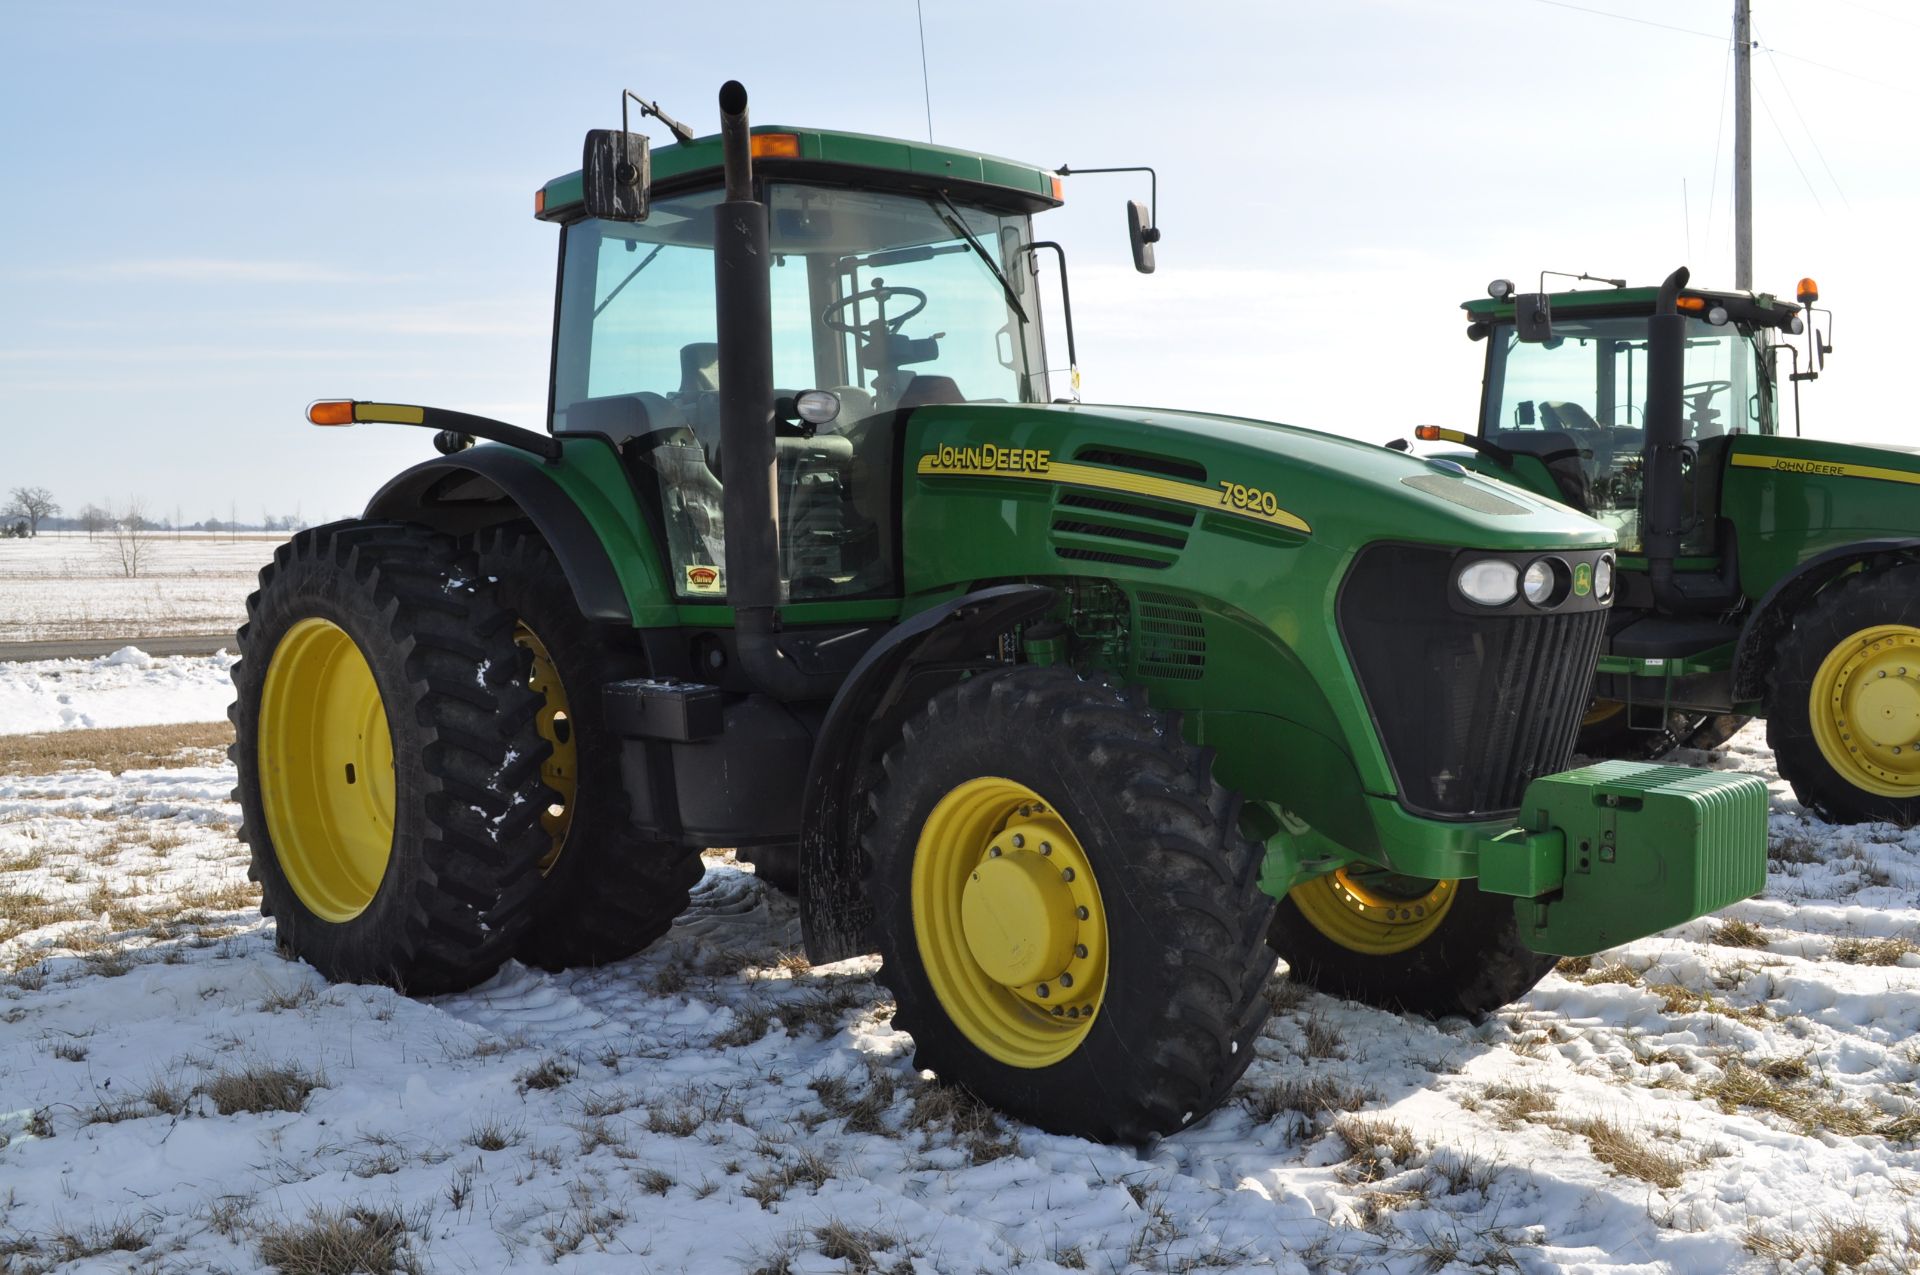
(91, 648)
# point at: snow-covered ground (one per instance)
(126, 688)
(67, 586)
(1738, 1094)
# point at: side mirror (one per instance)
(1532, 317)
(1523, 413)
(615, 171)
(1143, 235)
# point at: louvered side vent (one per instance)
(1170, 638)
(1121, 532)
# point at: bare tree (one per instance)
(95, 519)
(33, 504)
(130, 541)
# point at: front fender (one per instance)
(583, 504)
(942, 641)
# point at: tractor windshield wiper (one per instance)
(958, 225)
(619, 287)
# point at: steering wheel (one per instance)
(880, 295)
(1704, 390)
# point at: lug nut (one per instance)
(1046, 847)
(1018, 841)
(1072, 1013)
(1080, 950)
(1066, 874)
(993, 852)
(1041, 990)
(1082, 913)
(1059, 1012)
(1066, 980)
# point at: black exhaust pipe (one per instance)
(744, 331)
(1663, 496)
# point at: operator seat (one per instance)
(1560, 453)
(926, 389)
(699, 393)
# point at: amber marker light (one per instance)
(1693, 305)
(331, 411)
(1437, 434)
(1058, 196)
(539, 201)
(1809, 292)
(776, 146)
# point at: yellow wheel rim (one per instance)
(1602, 710)
(1375, 913)
(555, 724)
(1009, 923)
(326, 769)
(1865, 708)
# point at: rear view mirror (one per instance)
(615, 172)
(1141, 231)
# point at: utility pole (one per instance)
(1742, 145)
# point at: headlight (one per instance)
(1545, 582)
(1603, 578)
(1490, 582)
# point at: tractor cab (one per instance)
(890, 288)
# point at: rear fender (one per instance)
(1775, 612)
(896, 675)
(583, 504)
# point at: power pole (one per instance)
(1742, 145)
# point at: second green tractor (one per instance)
(1073, 713)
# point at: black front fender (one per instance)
(896, 674)
(487, 485)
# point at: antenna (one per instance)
(925, 91)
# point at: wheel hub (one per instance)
(1018, 918)
(1374, 913)
(1865, 707)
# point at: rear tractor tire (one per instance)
(1843, 700)
(1068, 916)
(1406, 944)
(606, 892)
(388, 759)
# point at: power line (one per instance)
(1719, 133)
(1621, 17)
(1880, 13)
(926, 90)
(1789, 148)
(1811, 136)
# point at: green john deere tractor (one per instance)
(1056, 702)
(1760, 574)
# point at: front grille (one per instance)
(1470, 708)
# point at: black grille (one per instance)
(1470, 708)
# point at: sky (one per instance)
(216, 213)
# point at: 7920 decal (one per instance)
(1241, 496)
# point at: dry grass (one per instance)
(1854, 950)
(1375, 1145)
(1847, 1244)
(802, 1168)
(1519, 1103)
(340, 1242)
(551, 1073)
(114, 750)
(864, 1107)
(856, 1246)
(1625, 1151)
(1312, 1098)
(1786, 1088)
(261, 1087)
(1734, 932)
(974, 1125)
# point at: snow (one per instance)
(126, 688)
(697, 1107)
(67, 586)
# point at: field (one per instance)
(63, 585)
(1736, 1095)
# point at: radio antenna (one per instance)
(925, 91)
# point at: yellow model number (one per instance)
(1240, 496)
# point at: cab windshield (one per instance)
(1578, 403)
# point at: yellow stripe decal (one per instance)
(991, 461)
(1825, 468)
(390, 413)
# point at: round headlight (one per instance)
(1603, 578)
(1500, 289)
(1490, 582)
(1541, 583)
(1717, 316)
(817, 407)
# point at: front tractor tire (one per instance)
(388, 759)
(1406, 944)
(1843, 700)
(1067, 913)
(606, 892)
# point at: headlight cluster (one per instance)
(1545, 582)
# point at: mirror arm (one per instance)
(681, 133)
(1153, 190)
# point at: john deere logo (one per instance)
(1583, 579)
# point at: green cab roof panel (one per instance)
(1032, 186)
(1761, 305)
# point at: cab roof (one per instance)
(847, 157)
(1752, 307)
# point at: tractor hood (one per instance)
(1821, 458)
(1238, 474)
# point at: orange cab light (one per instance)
(331, 411)
(1427, 433)
(1808, 292)
(539, 201)
(1058, 197)
(1693, 304)
(776, 146)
